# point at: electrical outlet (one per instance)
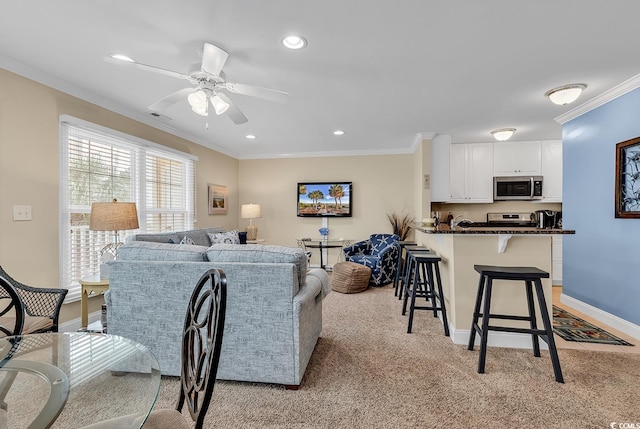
(21, 212)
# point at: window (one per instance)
(98, 165)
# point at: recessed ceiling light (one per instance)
(250, 136)
(294, 42)
(565, 94)
(338, 132)
(122, 58)
(503, 133)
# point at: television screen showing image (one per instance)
(325, 199)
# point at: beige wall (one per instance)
(29, 172)
(381, 185)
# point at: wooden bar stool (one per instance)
(400, 265)
(424, 284)
(530, 276)
(407, 272)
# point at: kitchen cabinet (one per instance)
(556, 260)
(440, 153)
(471, 173)
(517, 158)
(551, 166)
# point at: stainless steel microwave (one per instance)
(507, 188)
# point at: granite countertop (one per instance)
(514, 230)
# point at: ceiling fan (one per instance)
(209, 83)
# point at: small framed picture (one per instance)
(218, 203)
(627, 192)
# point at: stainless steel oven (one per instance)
(507, 188)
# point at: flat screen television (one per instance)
(325, 199)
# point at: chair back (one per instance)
(11, 310)
(202, 342)
(380, 242)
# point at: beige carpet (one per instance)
(366, 372)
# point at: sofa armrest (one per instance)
(318, 276)
(361, 247)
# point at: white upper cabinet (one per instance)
(517, 158)
(471, 173)
(552, 171)
(440, 152)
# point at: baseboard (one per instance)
(497, 339)
(74, 324)
(602, 316)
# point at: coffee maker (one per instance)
(548, 219)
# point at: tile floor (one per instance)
(560, 343)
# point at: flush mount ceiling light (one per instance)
(565, 94)
(250, 137)
(122, 58)
(503, 133)
(294, 42)
(338, 132)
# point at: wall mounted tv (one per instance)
(325, 199)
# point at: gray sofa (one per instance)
(274, 305)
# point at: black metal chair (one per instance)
(201, 345)
(41, 305)
(11, 310)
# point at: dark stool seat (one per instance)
(400, 263)
(419, 281)
(530, 276)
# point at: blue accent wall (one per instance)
(601, 262)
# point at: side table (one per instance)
(90, 285)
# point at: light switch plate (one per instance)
(21, 212)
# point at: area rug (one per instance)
(573, 328)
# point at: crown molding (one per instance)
(419, 138)
(605, 97)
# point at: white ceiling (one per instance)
(384, 71)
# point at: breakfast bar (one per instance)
(461, 247)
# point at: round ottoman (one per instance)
(349, 277)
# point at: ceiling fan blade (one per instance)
(257, 91)
(171, 99)
(233, 111)
(148, 68)
(213, 59)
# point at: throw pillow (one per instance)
(187, 240)
(230, 237)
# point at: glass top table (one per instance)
(74, 379)
(321, 243)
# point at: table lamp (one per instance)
(251, 211)
(113, 216)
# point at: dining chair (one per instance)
(41, 305)
(201, 345)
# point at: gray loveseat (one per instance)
(274, 305)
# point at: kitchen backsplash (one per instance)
(478, 212)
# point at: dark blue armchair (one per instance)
(380, 253)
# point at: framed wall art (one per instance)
(627, 191)
(218, 203)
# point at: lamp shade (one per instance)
(113, 216)
(250, 211)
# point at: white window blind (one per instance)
(99, 165)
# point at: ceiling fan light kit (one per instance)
(210, 86)
(503, 134)
(565, 94)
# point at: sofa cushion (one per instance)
(230, 237)
(150, 251)
(260, 253)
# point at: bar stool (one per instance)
(400, 264)
(530, 276)
(423, 264)
(407, 272)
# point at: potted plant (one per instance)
(401, 224)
